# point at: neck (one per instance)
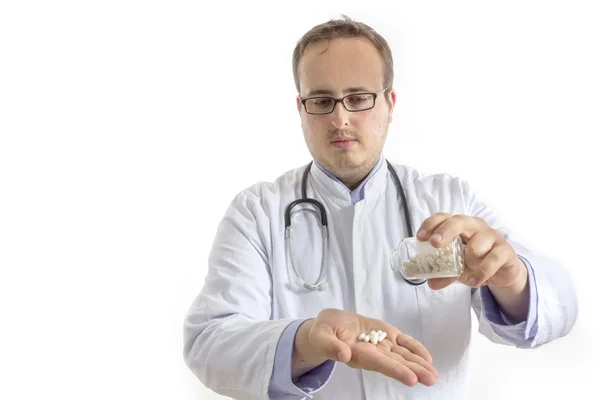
(351, 178)
(352, 183)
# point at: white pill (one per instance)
(377, 339)
(379, 332)
(374, 338)
(373, 333)
(382, 336)
(362, 336)
(366, 338)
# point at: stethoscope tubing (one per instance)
(320, 284)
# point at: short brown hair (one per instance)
(345, 28)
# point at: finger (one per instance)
(414, 358)
(492, 262)
(425, 376)
(430, 224)
(424, 371)
(328, 345)
(479, 245)
(372, 359)
(414, 346)
(457, 225)
(440, 283)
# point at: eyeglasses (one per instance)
(352, 103)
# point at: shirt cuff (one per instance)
(281, 385)
(523, 331)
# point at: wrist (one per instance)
(518, 284)
(304, 356)
(303, 350)
(514, 298)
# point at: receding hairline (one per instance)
(345, 28)
(353, 89)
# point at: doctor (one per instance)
(254, 333)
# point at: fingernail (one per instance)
(422, 233)
(436, 238)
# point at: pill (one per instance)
(374, 338)
(379, 332)
(382, 336)
(366, 338)
(362, 336)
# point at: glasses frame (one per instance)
(341, 100)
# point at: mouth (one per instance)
(343, 143)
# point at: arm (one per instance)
(304, 357)
(513, 300)
(289, 377)
(541, 310)
(230, 342)
(505, 330)
(229, 339)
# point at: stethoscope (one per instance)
(320, 284)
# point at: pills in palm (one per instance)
(374, 336)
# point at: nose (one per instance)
(339, 116)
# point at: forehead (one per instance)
(339, 65)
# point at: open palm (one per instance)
(398, 356)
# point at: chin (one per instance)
(346, 161)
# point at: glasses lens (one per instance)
(358, 102)
(319, 105)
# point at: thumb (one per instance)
(329, 346)
(440, 283)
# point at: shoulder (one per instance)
(265, 194)
(285, 181)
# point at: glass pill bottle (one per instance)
(420, 260)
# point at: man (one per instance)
(256, 331)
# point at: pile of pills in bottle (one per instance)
(373, 337)
(440, 261)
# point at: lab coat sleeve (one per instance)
(229, 338)
(556, 308)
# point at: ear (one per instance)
(298, 103)
(391, 98)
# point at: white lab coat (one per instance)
(233, 327)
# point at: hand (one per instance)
(334, 335)
(489, 258)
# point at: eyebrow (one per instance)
(317, 92)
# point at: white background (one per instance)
(126, 128)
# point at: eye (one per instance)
(359, 99)
(321, 102)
